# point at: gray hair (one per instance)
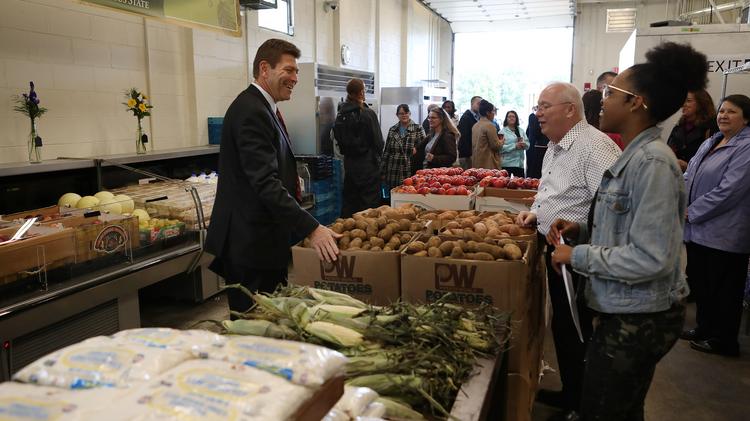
(569, 93)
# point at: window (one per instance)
(279, 19)
(620, 20)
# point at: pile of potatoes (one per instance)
(475, 226)
(380, 229)
(487, 250)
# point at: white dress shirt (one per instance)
(571, 172)
(267, 96)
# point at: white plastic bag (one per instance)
(100, 362)
(300, 363)
(20, 401)
(213, 390)
(355, 400)
(165, 338)
(374, 410)
(335, 415)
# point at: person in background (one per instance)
(426, 122)
(516, 143)
(632, 261)
(400, 148)
(577, 156)
(537, 147)
(440, 148)
(604, 79)
(257, 207)
(359, 139)
(467, 121)
(485, 140)
(698, 123)
(592, 104)
(718, 228)
(450, 108)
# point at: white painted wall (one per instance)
(83, 57)
(595, 50)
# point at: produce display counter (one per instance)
(79, 271)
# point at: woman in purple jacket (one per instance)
(717, 232)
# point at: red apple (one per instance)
(461, 190)
(423, 190)
(504, 173)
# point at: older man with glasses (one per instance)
(576, 158)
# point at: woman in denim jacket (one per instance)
(635, 228)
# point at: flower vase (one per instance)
(140, 139)
(35, 145)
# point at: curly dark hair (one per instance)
(518, 122)
(592, 106)
(671, 71)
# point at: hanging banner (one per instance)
(223, 15)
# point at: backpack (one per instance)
(351, 133)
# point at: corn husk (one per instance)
(334, 334)
(336, 298)
(398, 410)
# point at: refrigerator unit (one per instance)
(391, 98)
(310, 113)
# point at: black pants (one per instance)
(516, 171)
(718, 281)
(621, 359)
(254, 279)
(358, 196)
(569, 349)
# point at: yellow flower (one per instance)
(142, 107)
(131, 103)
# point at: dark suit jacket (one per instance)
(444, 151)
(465, 125)
(255, 212)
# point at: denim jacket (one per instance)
(633, 260)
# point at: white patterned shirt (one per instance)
(571, 173)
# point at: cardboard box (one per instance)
(102, 235)
(494, 199)
(433, 201)
(44, 214)
(519, 400)
(502, 284)
(46, 248)
(371, 276)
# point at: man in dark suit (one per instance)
(256, 210)
(465, 124)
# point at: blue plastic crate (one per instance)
(323, 197)
(214, 130)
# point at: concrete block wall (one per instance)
(82, 58)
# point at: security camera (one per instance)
(331, 5)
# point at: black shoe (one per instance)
(551, 397)
(565, 416)
(693, 335)
(712, 346)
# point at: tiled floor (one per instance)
(687, 385)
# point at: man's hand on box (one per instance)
(323, 240)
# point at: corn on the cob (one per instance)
(334, 334)
(338, 310)
(337, 298)
(398, 410)
(301, 315)
(388, 384)
(258, 328)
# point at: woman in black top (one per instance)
(698, 123)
